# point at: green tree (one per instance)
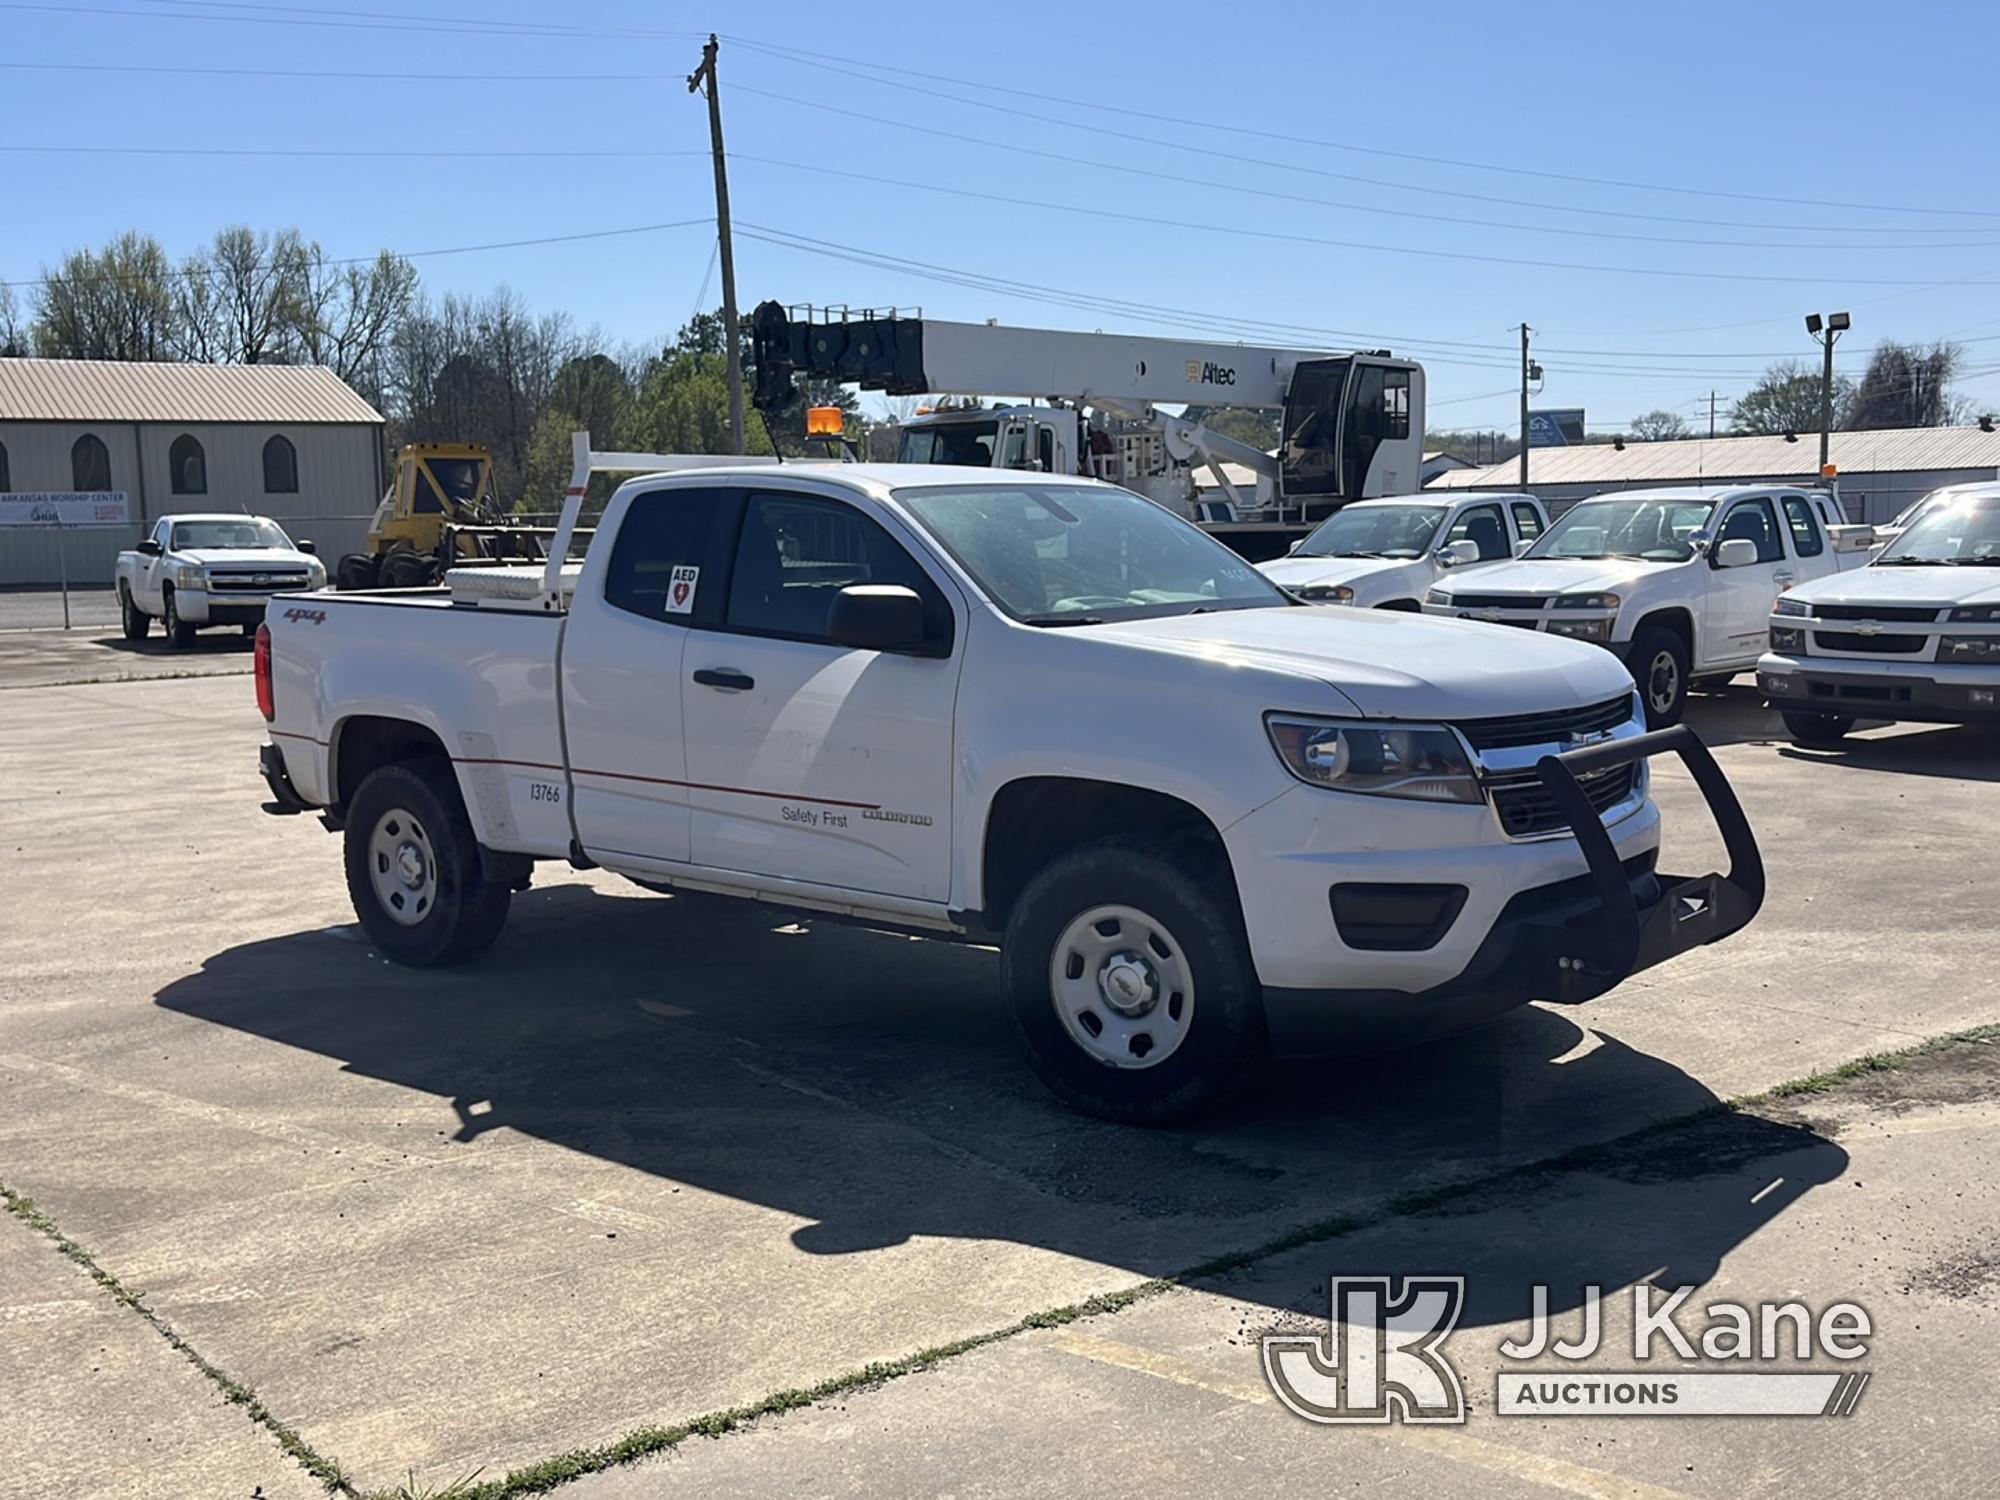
(117, 304)
(1787, 399)
(1906, 385)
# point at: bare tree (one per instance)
(112, 305)
(1906, 385)
(1787, 399)
(350, 314)
(13, 337)
(1659, 426)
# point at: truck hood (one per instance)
(1391, 665)
(271, 557)
(1553, 575)
(1299, 572)
(1900, 585)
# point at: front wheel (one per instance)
(1130, 982)
(180, 634)
(414, 871)
(134, 621)
(1817, 729)
(1659, 666)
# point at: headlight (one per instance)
(1582, 630)
(188, 576)
(1787, 605)
(1438, 596)
(1426, 762)
(1969, 648)
(1587, 601)
(316, 574)
(1327, 593)
(1788, 638)
(1977, 614)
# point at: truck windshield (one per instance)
(250, 531)
(1402, 531)
(1076, 555)
(1964, 533)
(1653, 530)
(966, 443)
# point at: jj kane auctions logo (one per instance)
(1383, 1358)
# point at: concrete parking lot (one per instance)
(653, 1164)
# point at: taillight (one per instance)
(266, 704)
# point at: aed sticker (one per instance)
(680, 588)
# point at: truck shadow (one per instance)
(1956, 752)
(869, 1084)
(217, 642)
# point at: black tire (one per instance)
(1224, 1038)
(1659, 665)
(458, 912)
(407, 570)
(357, 570)
(180, 634)
(1817, 729)
(134, 621)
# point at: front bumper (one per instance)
(1568, 941)
(230, 607)
(1914, 692)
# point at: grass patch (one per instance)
(324, 1469)
(1874, 1062)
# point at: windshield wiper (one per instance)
(1058, 622)
(1912, 562)
(1976, 562)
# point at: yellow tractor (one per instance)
(440, 513)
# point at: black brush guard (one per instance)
(1623, 932)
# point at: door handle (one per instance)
(727, 678)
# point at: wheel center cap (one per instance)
(410, 864)
(1128, 985)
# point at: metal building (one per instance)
(292, 442)
(1879, 472)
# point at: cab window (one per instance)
(1753, 521)
(1805, 535)
(1528, 520)
(795, 552)
(664, 531)
(1481, 525)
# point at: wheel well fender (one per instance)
(365, 742)
(1675, 618)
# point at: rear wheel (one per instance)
(1131, 983)
(407, 570)
(1817, 729)
(414, 870)
(357, 570)
(180, 634)
(1659, 666)
(134, 621)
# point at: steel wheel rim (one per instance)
(1122, 987)
(1663, 681)
(402, 867)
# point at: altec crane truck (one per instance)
(1353, 424)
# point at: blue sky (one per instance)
(1287, 167)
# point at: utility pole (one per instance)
(1825, 332)
(1529, 371)
(732, 347)
(1711, 414)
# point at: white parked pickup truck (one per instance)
(1386, 554)
(194, 571)
(1915, 635)
(1199, 817)
(1677, 582)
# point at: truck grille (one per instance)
(1920, 614)
(1873, 645)
(1526, 808)
(255, 583)
(1550, 728)
(1499, 601)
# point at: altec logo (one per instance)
(1207, 372)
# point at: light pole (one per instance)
(1825, 332)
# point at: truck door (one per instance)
(621, 673)
(146, 588)
(810, 761)
(1738, 608)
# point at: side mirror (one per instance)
(1295, 546)
(1521, 547)
(1737, 552)
(150, 548)
(307, 546)
(1457, 554)
(876, 617)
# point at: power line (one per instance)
(825, 62)
(354, 75)
(1181, 179)
(1362, 245)
(509, 154)
(453, 26)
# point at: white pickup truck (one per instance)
(194, 571)
(1678, 583)
(1199, 817)
(1386, 554)
(1915, 635)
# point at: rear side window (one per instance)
(1805, 535)
(1528, 521)
(796, 552)
(665, 534)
